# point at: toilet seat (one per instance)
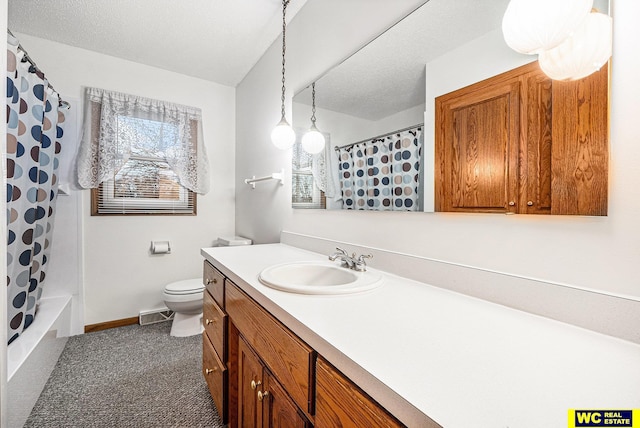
(184, 287)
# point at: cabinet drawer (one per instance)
(339, 402)
(215, 324)
(287, 357)
(215, 373)
(214, 281)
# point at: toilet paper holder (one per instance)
(160, 247)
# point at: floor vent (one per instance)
(152, 317)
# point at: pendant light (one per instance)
(582, 54)
(283, 136)
(313, 140)
(533, 26)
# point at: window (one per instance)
(142, 156)
(305, 192)
(145, 184)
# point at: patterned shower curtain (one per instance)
(34, 130)
(382, 174)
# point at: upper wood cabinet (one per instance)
(522, 143)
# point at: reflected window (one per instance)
(304, 193)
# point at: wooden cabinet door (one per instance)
(215, 324)
(249, 382)
(288, 358)
(340, 403)
(581, 145)
(477, 141)
(278, 409)
(215, 374)
(262, 401)
(535, 153)
(522, 143)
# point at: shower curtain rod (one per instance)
(336, 148)
(26, 57)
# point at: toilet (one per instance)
(185, 298)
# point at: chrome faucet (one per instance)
(350, 262)
(341, 254)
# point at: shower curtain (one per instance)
(382, 174)
(34, 130)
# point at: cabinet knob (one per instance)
(209, 371)
(262, 395)
(530, 203)
(255, 384)
(511, 203)
(208, 321)
(212, 281)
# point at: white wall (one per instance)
(320, 36)
(120, 277)
(64, 268)
(346, 129)
(594, 253)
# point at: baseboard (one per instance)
(110, 324)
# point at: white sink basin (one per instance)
(318, 278)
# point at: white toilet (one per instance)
(185, 297)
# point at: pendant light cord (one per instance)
(313, 103)
(284, 49)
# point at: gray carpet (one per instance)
(135, 376)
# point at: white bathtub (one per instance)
(32, 356)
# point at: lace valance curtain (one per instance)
(102, 153)
(382, 174)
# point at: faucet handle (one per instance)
(341, 251)
(360, 264)
(361, 257)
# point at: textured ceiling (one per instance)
(388, 75)
(216, 40)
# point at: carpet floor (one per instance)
(134, 376)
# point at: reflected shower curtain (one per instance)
(33, 144)
(382, 174)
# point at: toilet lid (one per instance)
(187, 286)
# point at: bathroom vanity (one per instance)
(260, 373)
(403, 354)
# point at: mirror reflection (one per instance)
(378, 107)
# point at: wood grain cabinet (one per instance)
(214, 339)
(265, 376)
(262, 401)
(522, 143)
(340, 403)
(269, 353)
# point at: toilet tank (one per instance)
(230, 241)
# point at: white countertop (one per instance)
(464, 362)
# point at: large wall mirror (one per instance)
(386, 92)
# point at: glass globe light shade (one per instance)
(283, 136)
(585, 52)
(532, 26)
(313, 141)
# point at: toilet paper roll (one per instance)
(160, 247)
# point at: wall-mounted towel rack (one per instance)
(275, 176)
